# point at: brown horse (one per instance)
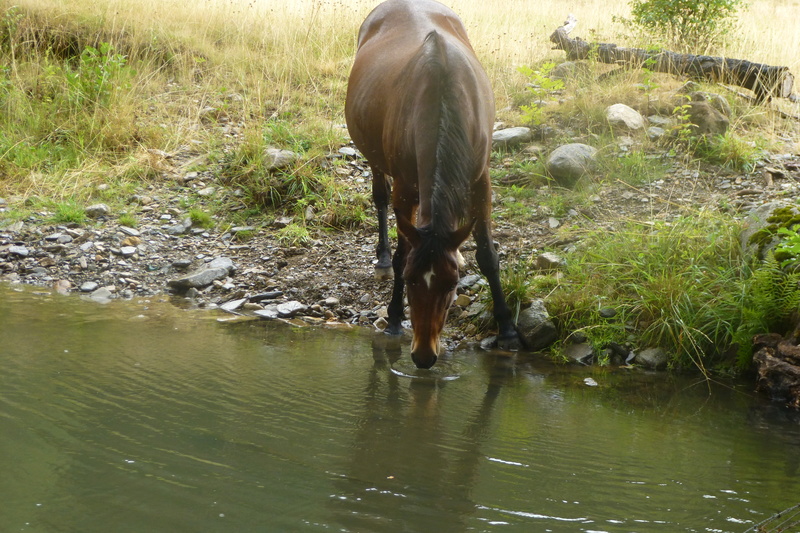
(421, 110)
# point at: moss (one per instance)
(782, 217)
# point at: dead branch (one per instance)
(765, 81)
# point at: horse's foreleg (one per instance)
(395, 309)
(486, 255)
(381, 191)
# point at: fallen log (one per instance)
(765, 81)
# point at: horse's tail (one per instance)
(454, 158)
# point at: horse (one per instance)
(420, 108)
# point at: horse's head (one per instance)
(431, 276)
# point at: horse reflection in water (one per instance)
(408, 462)
(421, 110)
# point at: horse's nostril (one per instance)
(424, 362)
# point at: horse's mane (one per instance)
(454, 159)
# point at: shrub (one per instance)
(697, 24)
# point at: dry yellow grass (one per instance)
(297, 42)
(290, 59)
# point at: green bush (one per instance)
(696, 24)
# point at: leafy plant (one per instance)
(541, 86)
(788, 249)
(695, 23)
(293, 235)
(99, 73)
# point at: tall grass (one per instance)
(255, 61)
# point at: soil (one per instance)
(332, 276)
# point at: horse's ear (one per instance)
(460, 235)
(408, 230)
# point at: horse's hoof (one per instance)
(394, 330)
(510, 342)
(383, 273)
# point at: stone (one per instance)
(607, 312)
(469, 281)
(207, 274)
(717, 101)
(569, 70)
(89, 286)
(655, 132)
(569, 162)
(233, 305)
(127, 251)
(708, 121)
(581, 353)
(102, 295)
(463, 300)
(97, 210)
(290, 309)
(381, 324)
(755, 221)
(270, 312)
(282, 222)
(535, 326)
(276, 159)
(132, 232)
(652, 358)
(511, 136)
(550, 261)
(272, 295)
(621, 116)
(20, 251)
(348, 152)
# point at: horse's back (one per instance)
(394, 88)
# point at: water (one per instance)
(133, 417)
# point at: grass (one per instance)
(684, 286)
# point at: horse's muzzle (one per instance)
(425, 354)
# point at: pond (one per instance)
(139, 416)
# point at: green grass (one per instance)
(127, 219)
(69, 213)
(200, 218)
(684, 286)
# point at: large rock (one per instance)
(653, 358)
(569, 162)
(204, 276)
(623, 117)
(535, 326)
(276, 159)
(717, 101)
(511, 137)
(708, 121)
(778, 363)
(580, 352)
(768, 217)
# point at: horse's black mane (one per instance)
(454, 159)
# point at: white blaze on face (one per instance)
(428, 277)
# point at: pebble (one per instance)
(89, 286)
(18, 250)
(97, 210)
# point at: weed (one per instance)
(294, 235)
(126, 219)
(541, 87)
(200, 218)
(683, 286)
(69, 213)
(788, 249)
